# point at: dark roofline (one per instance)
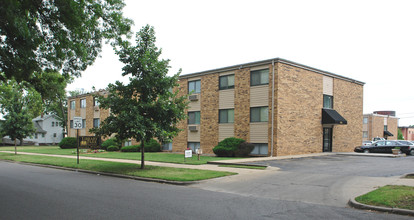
(269, 61)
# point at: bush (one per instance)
(244, 149)
(110, 142)
(68, 142)
(151, 146)
(132, 148)
(112, 148)
(228, 147)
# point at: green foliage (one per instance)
(112, 148)
(59, 36)
(132, 148)
(231, 147)
(400, 135)
(151, 146)
(68, 142)
(110, 142)
(145, 108)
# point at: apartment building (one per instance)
(407, 132)
(282, 107)
(380, 124)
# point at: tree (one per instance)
(400, 135)
(145, 108)
(14, 101)
(52, 36)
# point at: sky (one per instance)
(369, 41)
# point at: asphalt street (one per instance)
(298, 191)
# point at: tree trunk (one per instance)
(142, 155)
(15, 146)
(21, 142)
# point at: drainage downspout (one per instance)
(273, 105)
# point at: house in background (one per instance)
(48, 130)
(408, 132)
(381, 124)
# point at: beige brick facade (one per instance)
(374, 126)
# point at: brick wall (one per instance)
(348, 102)
(242, 104)
(180, 141)
(299, 111)
(393, 128)
(209, 113)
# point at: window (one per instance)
(96, 122)
(83, 103)
(128, 143)
(385, 127)
(71, 123)
(226, 82)
(365, 134)
(167, 146)
(260, 149)
(54, 134)
(194, 86)
(193, 146)
(365, 120)
(83, 123)
(259, 77)
(43, 135)
(95, 101)
(194, 118)
(36, 135)
(328, 101)
(259, 114)
(226, 116)
(72, 104)
(53, 124)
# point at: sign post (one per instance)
(77, 124)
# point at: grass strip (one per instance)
(156, 172)
(243, 166)
(391, 196)
(149, 156)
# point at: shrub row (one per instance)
(150, 146)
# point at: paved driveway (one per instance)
(325, 180)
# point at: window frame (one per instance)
(71, 123)
(260, 72)
(190, 91)
(96, 125)
(331, 101)
(195, 117)
(227, 86)
(260, 114)
(227, 116)
(95, 102)
(83, 123)
(84, 104)
(72, 104)
(196, 146)
(259, 146)
(365, 120)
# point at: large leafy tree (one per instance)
(15, 104)
(43, 36)
(145, 108)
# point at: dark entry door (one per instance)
(327, 139)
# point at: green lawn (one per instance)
(164, 173)
(149, 156)
(390, 196)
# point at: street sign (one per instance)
(77, 122)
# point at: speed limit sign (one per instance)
(77, 122)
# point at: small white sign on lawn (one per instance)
(188, 153)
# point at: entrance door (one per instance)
(327, 139)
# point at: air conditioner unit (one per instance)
(96, 108)
(193, 127)
(193, 97)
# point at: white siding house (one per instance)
(48, 130)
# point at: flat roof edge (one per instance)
(269, 61)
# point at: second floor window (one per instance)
(328, 101)
(95, 101)
(226, 116)
(71, 123)
(72, 104)
(96, 122)
(194, 118)
(226, 82)
(259, 114)
(194, 86)
(259, 77)
(53, 124)
(83, 103)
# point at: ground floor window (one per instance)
(193, 146)
(127, 143)
(365, 134)
(167, 146)
(259, 149)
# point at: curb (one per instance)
(236, 164)
(171, 182)
(358, 205)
